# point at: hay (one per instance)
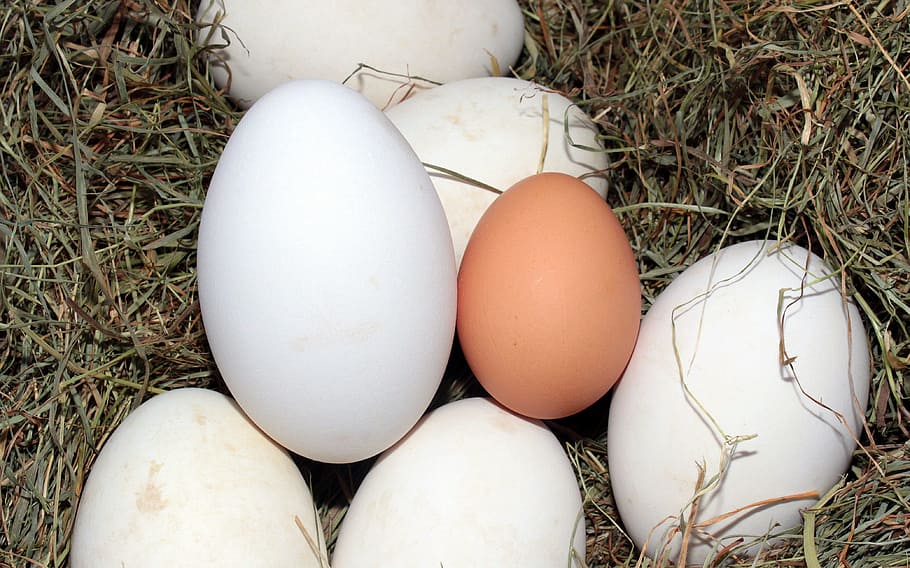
(724, 121)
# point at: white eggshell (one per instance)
(326, 273)
(471, 485)
(188, 480)
(492, 130)
(727, 310)
(258, 45)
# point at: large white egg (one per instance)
(188, 480)
(471, 485)
(492, 130)
(326, 273)
(258, 45)
(754, 340)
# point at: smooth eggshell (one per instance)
(258, 45)
(549, 300)
(471, 485)
(492, 130)
(326, 273)
(188, 480)
(727, 309)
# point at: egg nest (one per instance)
(724, 121)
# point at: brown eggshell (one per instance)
(549, 298)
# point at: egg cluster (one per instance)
(342, 247)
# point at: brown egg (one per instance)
(549, 299)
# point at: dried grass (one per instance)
(724, 120)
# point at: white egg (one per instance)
(258, 45)
(492, 130)
(326, 273)
(754, 340)
(188, 480)
(471, 485)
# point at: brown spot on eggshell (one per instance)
(199, 417)
(456, 118)
(150, 499)
(505, 423)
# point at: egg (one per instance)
(187, 480)
(471, 485)
(326, 273)
(549, 300)
(752, 365)
(385, 50)
(492, 130)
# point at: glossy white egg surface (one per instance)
(752, 365)
(492, 130)
(472, 485)
(407, 46)
(326, 273)
(187, 480)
